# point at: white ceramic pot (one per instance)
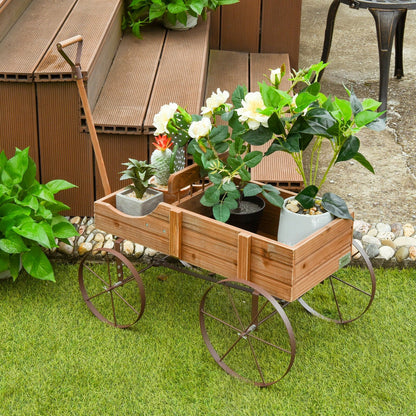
(295, 227)
(190, 23)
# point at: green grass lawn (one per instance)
(56, 358)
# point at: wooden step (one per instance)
(165, 66)
(10, 11)
(227, 70)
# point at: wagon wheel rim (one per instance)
(249, 332)
(111, 287)
(364, 293)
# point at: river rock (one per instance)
(75, 220)
(89, 238)
(402, 253)
(405, 241)
(372, 250)
(108, 237)
(84, 248)
(65, 248)
(386, 252)
(358, 235)
(362, 226)
(150, 252)
(412, 253)
(397, 229)
(99, 237)
(128, 247)
(138, 249)
(90, 229)
(367, 239)
(408, 230)
(388, 243)
(109, 244)
(383, 228)
(373, 232)
(81, 240)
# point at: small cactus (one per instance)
(161, 159)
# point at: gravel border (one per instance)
(387, 245)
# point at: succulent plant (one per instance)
(140, 173)
(161, 159)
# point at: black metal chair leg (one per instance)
(386, 24)
(398, 68)
(329, 31)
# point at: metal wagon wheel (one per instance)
(247, 332)
(344, 296)
(113, 290)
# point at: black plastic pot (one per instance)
(248, 220)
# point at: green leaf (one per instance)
(257, 137)
(244, 175)
(156, 11)
(307, 196)
(62, 228)
(15, 168)
(348, 149)
(219, 134)
(365, 117)
(363, 161)
(252, 189)
(271, 97)
(345, 107)
(13, 244)
(238, 95)
(215, 178)
(273, 196)
(37, 264)
(229, 186)
(59, 185)
(211, 197)
(253, 158)
(221, 212)
(336, 206)
(276, 125)
(356, 105)
(33, 231)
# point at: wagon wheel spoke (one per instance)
(121, 301)
(248, 339)
(345, 295)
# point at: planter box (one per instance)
(183, 229)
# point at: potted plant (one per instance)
(225, 157)
(305, 121)
(178, 14)
(291, 123)
(29, 218)
(138, 199)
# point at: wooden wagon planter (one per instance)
(242, 317)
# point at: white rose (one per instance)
(216, 100)
(252, 102)
(201, 128)
(161, 119)
(275, 76)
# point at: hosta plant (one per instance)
(29, 217)
(142, 12)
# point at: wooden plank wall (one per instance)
(258, 26)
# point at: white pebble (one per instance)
(373, 232)
(367, 239)
(128, 247)
(386, 252)
(383, 228)
(405, 241)
(138, 249)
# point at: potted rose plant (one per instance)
(29, 218)
(224, 156)
(178, 14)
(138, 198)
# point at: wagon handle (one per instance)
(77, 74)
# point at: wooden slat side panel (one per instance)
(117, 149)
(280, 31)
(244, 256)
(65, 153)
(175, 232)
(182, 72)
(214, 30)
(321, 264)
(226, 70)
(132, 73)
(151, 230)
(274, 286)
(18, 119)
(240, 25)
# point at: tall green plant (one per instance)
(29, 217)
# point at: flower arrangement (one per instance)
(289, 122)
(142, 12)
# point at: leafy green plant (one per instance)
(142, 12)
(139, 172)
(29, 217)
